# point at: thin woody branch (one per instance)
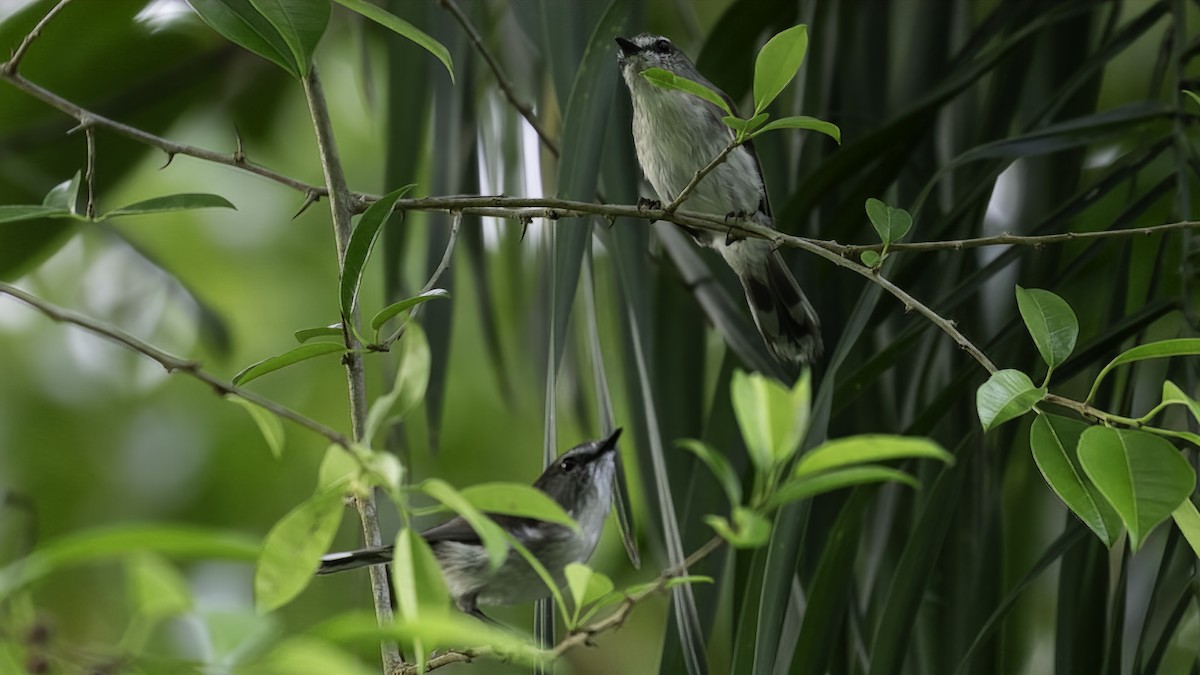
(502, 80)
(10, 67)
(687, 189)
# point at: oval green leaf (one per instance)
(1054, 441)
(870, 258)
(305, 334)
(777, 63)
(239, 22)
(1051, 323)
(179, 202)
(13, 213)
(362, 239)
(1142, 475)
(868, 448)
(402, 28)
(1007, 394)
(1187, 519)
(1155, 350)
(890, 223)
(718, 465)
(749, 529)
(668, 80)
(773, 420)
(293, 548)
(301, 353)
(64, 196)
(517, 499)
(809, 486)
(270, 426)
(408, 389)
(301, 23)
(417, 577)
(408, 303)
(802, 122)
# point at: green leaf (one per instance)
(293, 548)
(889, 222)
(179, 202)
(305, 654)
(1142, 475)
(870, 258)
(268, 424)
(1154, 350)
(1054, 441)
(239, 22)
(668, 80)
(1187, 519)
(720, 467)
(517, 499)
(586, 585)
(868, 448)
(156, 588)
(420, 587)
(301, 353)
(359, 247)
(1007, 394)
(12, 213)
(395, 308)
(64, 196)
(305, 334)
(777, 63)
(489, 532)
(802, 122)
(109, 542)
(301, 23)
(772, 419)
(808, 486)
(408, 389)
(1051, 323)
(745, 126)
(1192, 95)
(749, 529)
(338, 468)
(1172, 392)
(450, 629)
(403, 28)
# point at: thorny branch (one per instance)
(10, 67)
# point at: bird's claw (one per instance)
(644, 204)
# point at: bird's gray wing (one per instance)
(764, 204)
(459, 530)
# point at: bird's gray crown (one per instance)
(579, 469)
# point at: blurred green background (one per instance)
(92, 435)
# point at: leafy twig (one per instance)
(341, 209)
(687, 189)
(10, 67)
(506, 87)
(173, 364)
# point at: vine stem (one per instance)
(341, 209)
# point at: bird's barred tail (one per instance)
(349, 560)
(785, 319)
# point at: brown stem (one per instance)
(10, 67)
(687, 189)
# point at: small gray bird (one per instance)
(580, 480)
(676, 134)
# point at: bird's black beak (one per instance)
(627, 49)
(609, 444)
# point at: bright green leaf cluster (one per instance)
(891, 223)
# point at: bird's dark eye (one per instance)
(567, 464)
(661, 46)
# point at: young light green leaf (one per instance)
(1051, 323)
(268, 424)
(301, 23)
(517, 499)
(668, 80)
(889, 222)
(808, 486)
(749, 529)
(1154, 350)
(408, 389)
(301, 353)
(395, 308)
(720, 467)
(179, 202)
(1007, 394)
(1142, 475)
(1054, 441)
(293, 548)
(420, 587)
(868, 448)
(777, 63)
(362, 239)
(773, 420)
(489, 532)
(404, 29)
(156, 588)
(742, 126)
(802, 122)
(870, 258)
(305, 334)
(338, 468)
(1172, 392)
(239, 22)
(64, 196)
(13, 213)
(1187, 519)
